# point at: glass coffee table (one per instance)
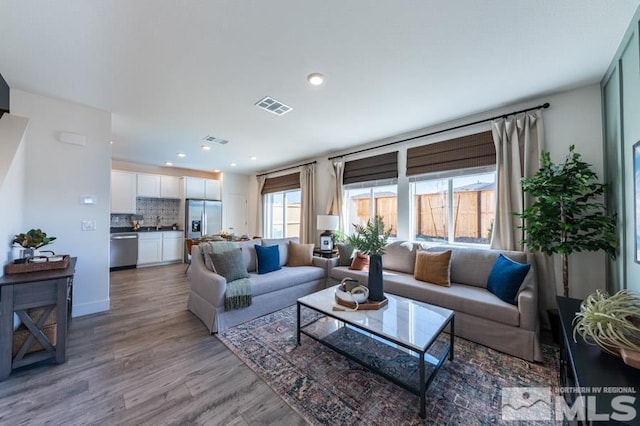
(398, 341)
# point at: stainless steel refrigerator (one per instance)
(203, 217)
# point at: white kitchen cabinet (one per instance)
(170, 187)
(172, 246)
(148, 186)
(194, 188)
(149, 248)
(198, 188)
(212, 189)
(123, 192)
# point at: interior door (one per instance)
(235, 214)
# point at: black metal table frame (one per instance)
(424, 381)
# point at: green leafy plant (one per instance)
(339, 236)
(34, 239)
(371, 238)
(567, 215)
(611, 322)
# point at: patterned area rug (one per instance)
(326, 388)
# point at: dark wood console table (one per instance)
(589, 372)
(21, 292)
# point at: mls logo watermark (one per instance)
(526, 404)
(530, 403)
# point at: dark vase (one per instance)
(376, 291)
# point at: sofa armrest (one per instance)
(528, 306)
(204, 282)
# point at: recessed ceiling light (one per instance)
(253, 157)
(111, 142)
(181, 154)
(168, 163)
(205, 147)
(315, 78)
(232, 164)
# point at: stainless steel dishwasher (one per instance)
(124, 250)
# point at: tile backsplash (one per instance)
(150, 209)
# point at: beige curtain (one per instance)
(519, 142)
(335, 203)
(260, 216)
(308, 205)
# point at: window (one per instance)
(282, 214)
(454, 207)
(365, 200)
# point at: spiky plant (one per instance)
(371, 238)
(611, 322)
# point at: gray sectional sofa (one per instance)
(270, 292)
(480, 315)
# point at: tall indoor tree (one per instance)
(567, 214)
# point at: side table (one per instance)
(327, 254)
(22, 292)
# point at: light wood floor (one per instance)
(147, 361)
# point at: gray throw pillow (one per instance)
(345, 251)
(230, 264)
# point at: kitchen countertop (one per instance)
(143, 229)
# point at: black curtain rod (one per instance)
(286, 168)
(543, 106)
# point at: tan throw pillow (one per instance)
(433, 267)
(360, 261)
(300, 254)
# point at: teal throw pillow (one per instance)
(506, 277)
(268, 258)
(230, 264)
(345, 252)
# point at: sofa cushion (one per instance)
(268, 258)
(506, 277)
(360, 261)
(284, 278)
(400, 256)
(433, 267)
(300, 254)
(229, 264)
(471, 300)
(345, 254)
(470, 265)
(249, 253)
(283, 247)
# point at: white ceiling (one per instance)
(173, 72)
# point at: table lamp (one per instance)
(328, 223)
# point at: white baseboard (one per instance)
(80, 309)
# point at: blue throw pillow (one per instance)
(506, 278)
(268, 258)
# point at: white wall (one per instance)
(57, 175)
(12, 182)
(575, 117)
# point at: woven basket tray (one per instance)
(22, 332)
(19, 268)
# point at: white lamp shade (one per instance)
(327, 222)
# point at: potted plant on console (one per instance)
(567, 215)
(31, 241)
(371, 239)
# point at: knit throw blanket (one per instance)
(238, 294)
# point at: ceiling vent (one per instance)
(213, 139)
(273, 106)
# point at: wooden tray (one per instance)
(369, 305)
(20, 268)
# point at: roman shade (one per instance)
(281, 183)
(460, 153)
(378, 167)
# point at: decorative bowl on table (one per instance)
(359, 294)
